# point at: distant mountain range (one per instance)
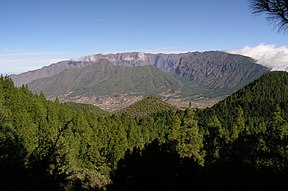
(114, 81)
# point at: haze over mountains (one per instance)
(114, 81)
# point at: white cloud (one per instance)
(15, 62)
(270, 56)
(164, 50)
(168, 50)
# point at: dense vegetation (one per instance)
(87, 107)
(240, 142)
(146, 106)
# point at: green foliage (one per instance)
(73, 147)
(190, 140)
(148, 105)
(70, 146)
(87, 107)
(253, 124)
(174, 131)
(191, 144)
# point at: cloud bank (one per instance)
(275, 58)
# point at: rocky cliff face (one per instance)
(217, 70)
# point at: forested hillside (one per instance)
(240, 142)
(148, 105)
(48, 145)
(252, 124)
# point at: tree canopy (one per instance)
(48, 145)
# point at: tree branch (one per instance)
(276, 10)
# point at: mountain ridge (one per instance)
(165, 62)
(183, 77)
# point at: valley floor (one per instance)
(120, 101)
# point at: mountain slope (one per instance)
(219, 70)
(103, 78)
(259, 99)
(213, 69)
(108, 86)
(181, 77)
(252, 125)
(46, 71)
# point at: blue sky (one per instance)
(34, 33)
